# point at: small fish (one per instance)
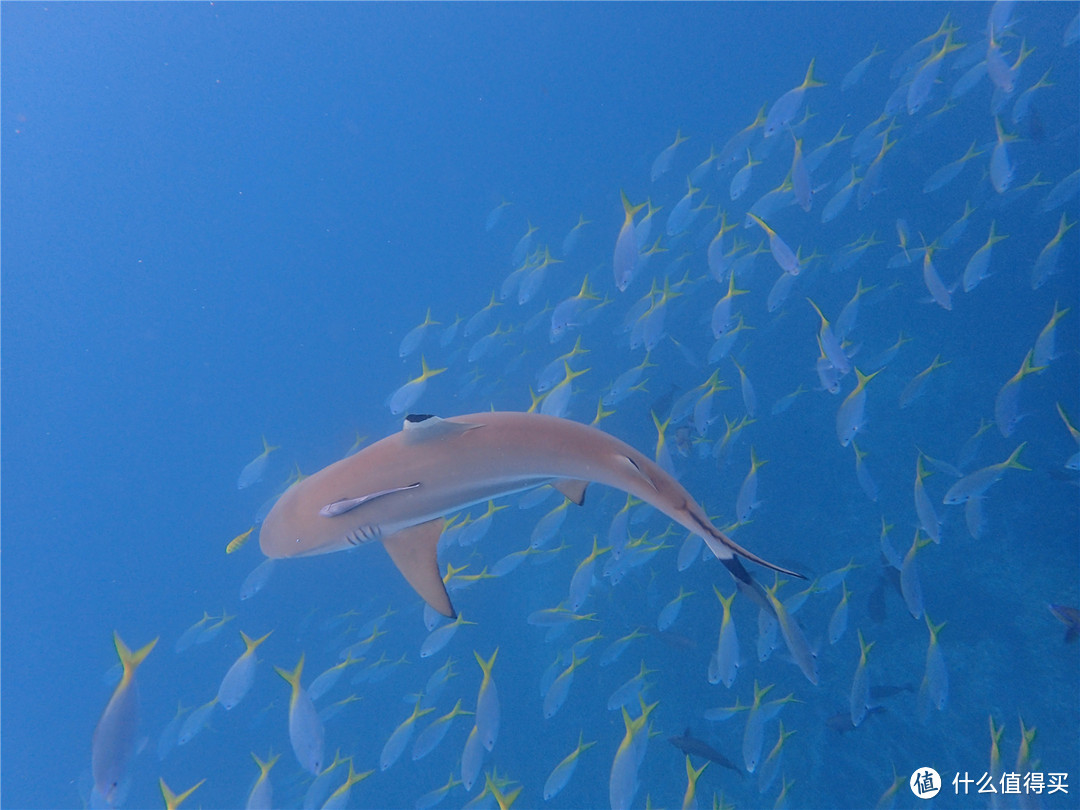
(770, 768)
(724, 663)
(1007, 403)
(910, 584)
(749, 397)
(623, 781)
(114, 737)
(923, 84)
(572, 238)
(739, 141)
(783, 254)
(793, 638)
(196, 721)
(238, 542)
(261, 796)
(522, 248)
(254, 469)
(755, 728)
(723, 315)
(257, 579)
(630, 690)
(975, 484)
(241, 674)
(978, 266)
(663, 160)
(430, 737)
(689, 801)
(747, 501)
(305, 727)
(785, 108)
(399, 739)
(839, 620)
(741, 180)
(340, 797)
(440, 637)
(172, 801)
(680, 218)
(433, 797)
(800, 178)
(1046, 265)
(406, 396)
(914, 389)
(934, 690)
(830, 343)
(411, 342)
(1064, 191)
(938, 291)
(860, 686)
(626, 250)
(1001, 168)
(839, 201)
(562, 772)
(924, 506)
(560, 688)
(947, 173)
(854, 76)
(487, 703)
(850, 418)
(863, 475)
(1045, 351)
(871, 184)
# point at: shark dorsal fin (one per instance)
(423, 427)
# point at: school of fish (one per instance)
(621, 410)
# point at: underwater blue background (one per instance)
(220, 220)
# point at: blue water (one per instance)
(219, 221)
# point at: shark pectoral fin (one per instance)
(348, 504)
(413, 552)
(572, 488)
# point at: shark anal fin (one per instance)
(640, 473)
(572, 488)
(413, 552)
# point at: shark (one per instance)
(399, 490)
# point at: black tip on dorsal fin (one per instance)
(416, 418)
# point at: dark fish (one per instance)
(669, 638)
(1035, 126)
(663, 403)
(1068, 476)
(691, 745)
(841, 721)
(883, 692)
(1070, 617)
(876, 603)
